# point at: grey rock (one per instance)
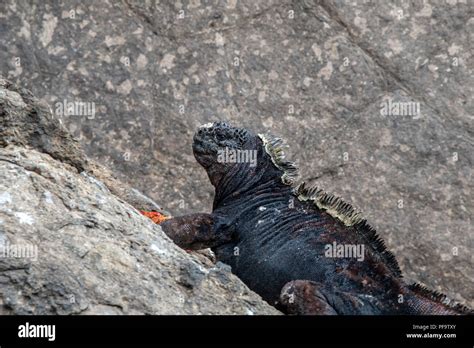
(316, 73)
(28, 122)
(68, 245)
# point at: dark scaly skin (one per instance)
(275, 243)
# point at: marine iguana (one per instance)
(276, 235)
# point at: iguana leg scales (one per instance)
(192, 231)
(305, 297)
(196, 231)
(312, 298)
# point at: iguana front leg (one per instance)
(197, 231)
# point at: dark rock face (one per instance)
(28, 122)
(374, 98)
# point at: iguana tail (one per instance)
(421, 301)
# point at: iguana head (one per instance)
(219, 147)
(239, 156)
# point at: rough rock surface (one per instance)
(70, 246)
(314, 72)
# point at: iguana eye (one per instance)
(220, 136)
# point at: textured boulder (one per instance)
(314, 72)
(68, 245)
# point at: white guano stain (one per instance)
(5, 197)
(326, 72)
(167, 61)
(49, 25)
(24, 218)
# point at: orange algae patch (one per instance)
(156, 217)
